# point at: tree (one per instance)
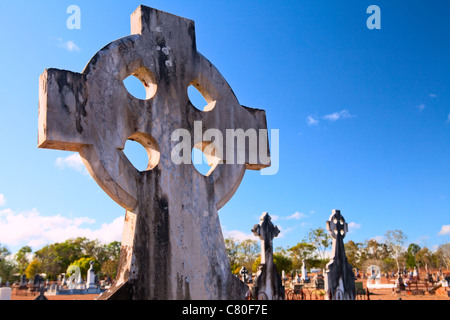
(301, 251)
(33, 268)
(241, 254)
(412, 251)
(231, 247)
(7, 267)
(321, 240)
(85, 263)
(22, 258)
(395, 241)
(443, 255)
(353, 252)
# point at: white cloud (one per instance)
(343, 114)
(378, 239)
(73, 162)
(2, 200)
(238, 235)
(35, 230)
(352, 226)
(68, 45)
(297, 216)
(312, 121)
(421, 107)
(445, 230)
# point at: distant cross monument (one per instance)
(172, 245)
(268, 281)
(339, 276)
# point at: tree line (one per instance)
(54, 259)
(390, 255)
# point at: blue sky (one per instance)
(363, 115)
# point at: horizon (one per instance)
(363, 116)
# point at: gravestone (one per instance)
(172, 244)
(244, 273)
(305, 278)
(41, 296)
(339, 277)
(90, 279)
(5, 294)
(268, 281)
(23, 281)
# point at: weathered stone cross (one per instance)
(268, 281)
(172, 246)
(339, 276)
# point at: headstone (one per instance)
(90, 280)
(172, 244)
(374, 273)
(305, 278)
(339, 277)
(41, 296)
(63, 281)
(5, 294)
(23, 281)
(244, 273)
(38, 281)
(268, 281)
(320, 283)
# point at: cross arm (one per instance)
(62, 110)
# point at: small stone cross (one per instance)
(268, 281)
(172, 245)
(244, 273)
(266, 231)
(337, 226)
(339, 276)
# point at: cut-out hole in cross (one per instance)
(198, 99)
(135, 87)
(142, 151)
(141, 84)
(136, 153)
(200, 161)
(204, 158)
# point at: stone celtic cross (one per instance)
(339, 276)
(268, 281)
(172, 245)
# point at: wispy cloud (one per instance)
(238, 235)
(445, 230)
(343, 114)
(36, 230)
(448, 118)
(296, 216)
(2, 200)
(432, 95)
(378, 239)
(72, 162)
(421, 107)
(312, 121)
(68, 45)
(352, 226)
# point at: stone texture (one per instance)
(268, 284)
(172, 246)
(339, 276)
